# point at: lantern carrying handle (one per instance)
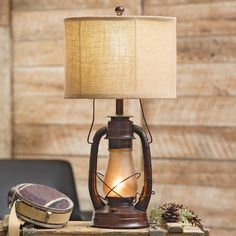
(146, 193)
(96, 200)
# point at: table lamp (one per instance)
(120, 57)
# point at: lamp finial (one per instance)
(119, 10)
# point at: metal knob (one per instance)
(119, 10)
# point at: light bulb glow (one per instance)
(120, 174)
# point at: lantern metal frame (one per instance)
(120, 212)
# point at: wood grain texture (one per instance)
(78, 228)
(184, 2)
(189, 50)
(182, 171)
(133, 6)
(39, 81)
(5, 93)
(65, 111)
(219, 231)
(173, 142)
(39, 53)
(183, 111)
(52, 139)
(212, 49)
(218, 79)
(194, 142)
(192, 111)
(200, 19)
(49, 25)
(4, 13)
(61, 111)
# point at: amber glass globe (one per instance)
(120, 166)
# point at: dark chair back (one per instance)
(53, 173)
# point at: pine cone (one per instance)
(171, 212)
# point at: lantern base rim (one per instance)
(120, 217)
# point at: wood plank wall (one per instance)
(5, 81)
(194, 145)
(195, 135)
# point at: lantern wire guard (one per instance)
(101, 176)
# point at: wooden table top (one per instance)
(84, 228)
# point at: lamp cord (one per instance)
(145, 122)
(92, 123)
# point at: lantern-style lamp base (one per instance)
(120, 214)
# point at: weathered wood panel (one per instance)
(83, 228)
(207, 49)
(5, 92)
(133, 6)
(190, 50)
(55, 140)
(39, 81)
(192, 111)
(214, 173)
(216, 231)
(41, 25)
(173, 142)
(183, 111)
(176, 2)
(199, 19)
(4, 12)
(206, 79)
(52, 139)
(39, 53)
(193, 80)
(194, 142)
(57, 110)
(205, 27)
(49, 25)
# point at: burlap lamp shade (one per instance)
(120, 57)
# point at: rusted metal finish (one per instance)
(119, 213)
(145, 196)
